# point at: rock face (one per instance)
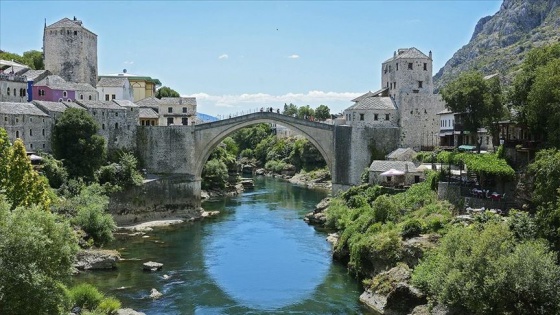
(97, 259)
(155, 294)
(128, 311)
(318, 217)
(390, 292)
(500, 42)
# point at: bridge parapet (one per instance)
(278, 118)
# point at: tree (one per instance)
(76, 143)
(37, 251)
(322, 112)
(5, 151)
(305, 112)
(23, 185)
(290, 110)
(479, 100)
(32, 58)
(166, 91)
(543, 103)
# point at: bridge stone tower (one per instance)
(408, 78)
(70, 51)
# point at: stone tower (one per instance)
(408, 79)
(70, 51)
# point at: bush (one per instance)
(275, 166)
(411, 228)
(385, 209)
(248, 153)
(214, 174)
(54, 171)
(85, 296)
(109, 305)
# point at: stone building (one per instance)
(177, 111)
(27, 122)
(13, 83)
(148, 117)
(142, 86)
(55, 89)
(410, 174)
(53, 109)
(372, 109)
(406, 79)
(111, 88)
(34, 76)
(115, 122)
(70, 51)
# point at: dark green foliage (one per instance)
(322, 112)
(37, 251)
(121, 174)
(522, 225)
(54, 170)
(305, 112)
(166, 91)
(290, 110)
(214, 174)
(411, 228)
(109, 305)
(77, 144)
(364, 177)
(250, 137)
(32, 58)
(482, 270)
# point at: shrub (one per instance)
(357, 201)
(248, 153)
(109, 305)
(275, 166)
(85, 296)
(96, 223)
(411, 228)
(54, 171)
(385, 209)
(214, 174)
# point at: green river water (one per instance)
(256, 257)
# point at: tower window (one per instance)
(43, 132)
(420, 84)
(361, 116)
(397, 65)
(75, 32)
(410, 66)
(386, 116)
(103, 126)
(116, 125)
(89, 97)
(8, 91)
(31, 132)
(106, 97)
(170, 109)
(425, 66)
(375, 117)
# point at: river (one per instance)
(256, 257)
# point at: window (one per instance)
(5, 118)
(184, 110)
(397, 65)
(64, 94)
(386, 116)
(67, 32)
(387, 83)
(43, 132)
(170, 110)
(410, 66)
(8, 91)
(116, 114)
(17, 133)
(425, 66)
(30, 119)
(103, 126)
(361, 116)
(81, 96)
(113, 96)
(60, 100)
(17, 120)
(169, 121)
(116, 125)
(31, 146)
(75, 32)
(89, 97)
(31, 132)
(185, 121)
(375, 117)
(395, 85)
(420, 84)
(415, 91)
(106, 97)
(43, 145)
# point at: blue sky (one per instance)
(235, 56)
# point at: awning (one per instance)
(392, 172)
(465, 147)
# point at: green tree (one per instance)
(24, 186)
(322, 112)
(5, 152)
(305, 112)
(214, 174)
(166, 91)
(76, 143)
(249, 137)
(37, 251)
(54, 170)
(32, 58)
(543, 103)
(479, 100)
(290, 109)
(482, 270)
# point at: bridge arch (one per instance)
(210, 135)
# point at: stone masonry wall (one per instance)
(418, 119)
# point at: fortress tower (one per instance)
(409, 71)
(70, 51)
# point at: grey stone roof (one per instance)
(125, 103)
(113, 81)
(408, 53)
(399, 152)
(445, 111)
(148, 102)
(20, 109)
(373, 102)
(146, 112)
(178, 101)
(98, 104)
(66, 22)
(370, 94)
(58, 83)
(33, 75)
(51, 106)
(73, 105)
(383, 165)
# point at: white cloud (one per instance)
(223, 56)
(128, 62)
(294, 56)
(236, 103)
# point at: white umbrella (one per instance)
(392, 172)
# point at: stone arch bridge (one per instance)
(180, 152)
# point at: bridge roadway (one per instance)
(182, 151)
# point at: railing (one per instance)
(12, 77)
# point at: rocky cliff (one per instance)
(500, 42)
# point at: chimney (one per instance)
(430, 55)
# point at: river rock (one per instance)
(128, 311)
(315, 218)
(155, 294)
(414, 248)
(97, 259)
(390, 292)
(207, 214)
(333, 238)
(322, 205)
(248, 183)
(152, 266)
(204, 195)
(260, 171)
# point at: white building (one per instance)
(177, 111)
(372, 109)
(111, 88)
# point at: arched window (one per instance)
(64, 94)
(81, 96)
(17, 133)
(89, 97)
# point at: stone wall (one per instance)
(418, 119)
